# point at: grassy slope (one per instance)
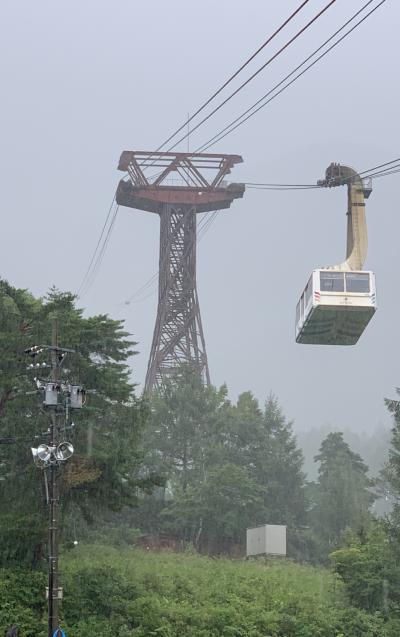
(134, 593)
(112, 592)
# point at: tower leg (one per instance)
(178, 335)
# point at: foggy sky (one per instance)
(84, 80)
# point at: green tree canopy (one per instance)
(105, 469)
(343, 494)
(226, 466)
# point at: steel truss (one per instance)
(178, 335)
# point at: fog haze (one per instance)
(83, 81)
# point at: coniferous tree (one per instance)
(391, 474)
(104, 472)
(281, 469)
(226, 466)
(342, 495)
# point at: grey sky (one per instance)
(84, 80)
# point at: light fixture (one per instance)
(39, 462)
(44, 453)
(64, 451)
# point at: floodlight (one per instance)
(64, 451)
(38, 460)
(44, 453)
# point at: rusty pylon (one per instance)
(177, 193)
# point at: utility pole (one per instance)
(59, 397)
(54, 591)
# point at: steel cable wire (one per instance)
(271, 59)
(232, 77)
(250, 112)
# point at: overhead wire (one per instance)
(218, 137)
(97, 246)
(95, 262)
(204, 225)
(229, 128)
(252, 110)
(210, 218)
(152, 280)
(265, 187)
(100, 256)
(366, 174)
(383, 173)
(381, 165)
(271, 59)
(232, 77)
(391, 172)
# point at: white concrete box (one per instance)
(268, 539)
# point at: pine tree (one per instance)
(342, 494)
(391, 473)
(104, 472)
(280, 464)
(226, 466)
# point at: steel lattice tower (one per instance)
(178, 334)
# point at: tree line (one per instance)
(188, 463)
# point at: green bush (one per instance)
(370, 572)
(141, 594)
(22, 602)
(114, 592)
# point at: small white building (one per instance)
(267, 539)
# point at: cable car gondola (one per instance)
(339, 301)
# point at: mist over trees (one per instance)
(226, 466)
(189, 463)
(186, 468)
(372, 446)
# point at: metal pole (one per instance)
(59, 398)
(53, 579)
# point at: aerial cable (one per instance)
(207, 144)
(138, 298)
(261, 187)
(216, 138)
(391, 172)
(281, 186)
(203, 228)
(255, 183)
(271, 59)
(100, 256)
(383, 173)
(97, 246)
(207, 220)
(381, 165)
(235, 74)
(368, 173)
(103, 249)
